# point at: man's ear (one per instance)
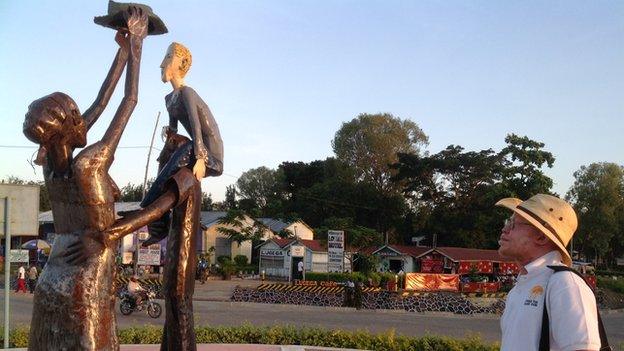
(541, 239)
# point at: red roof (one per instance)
(314, 245)
(414, 251)
(465, 254)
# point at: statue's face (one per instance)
(170, 66)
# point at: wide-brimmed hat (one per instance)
(115, 18)
(551, 215)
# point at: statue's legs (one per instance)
(180, 265)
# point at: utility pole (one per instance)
(149, 154)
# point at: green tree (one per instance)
(452, 193)
(598, 198)
(206, 204)
(230, 198)
(524, 159)
(370, 144)
(260, 187)
(236, 228)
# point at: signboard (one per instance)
(431, 266)
(126, 258)
(24, 209)
(19, 256)
(271, 252)
(335, 251)
(297, 251)
(149, 256)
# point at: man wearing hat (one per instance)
(536, 237)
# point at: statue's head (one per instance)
(176, 63)
(54, 122)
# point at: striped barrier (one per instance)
(156, 284)
(310, 289)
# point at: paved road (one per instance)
(405, 323)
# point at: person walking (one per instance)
(33, 274)
(551, 307)
(21, 279)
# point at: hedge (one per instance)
(290, 335)
(611, 284)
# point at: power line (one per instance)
(36, 147)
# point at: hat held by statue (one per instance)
(115, 18)
(550, 215)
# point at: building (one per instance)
(459, 260)
(297, 229)
(223, 245)
(395, 258)
(277, 261)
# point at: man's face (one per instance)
(170, 65)
(517, 240)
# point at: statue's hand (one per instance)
(89, 244)
(137, 21)
(122, 40)
(199, 170)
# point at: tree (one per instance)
(206, 204)
(452, 193)
(370, 144)
(260, 187)
(598, 198)
(236, 228)
(230, 198)
(524, 159)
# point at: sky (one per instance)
(281, 77)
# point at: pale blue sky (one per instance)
(282, 76)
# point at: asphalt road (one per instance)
(219, 313)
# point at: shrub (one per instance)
(290, 335)
(222, 259)
(241, 260)
(611, 284)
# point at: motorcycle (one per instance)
(127, 304)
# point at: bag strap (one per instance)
(544, 344)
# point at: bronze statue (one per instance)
(73, 304)
(177, 187)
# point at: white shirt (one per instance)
(300, 266)
(571, 309)
(134, 287)
(21, 273)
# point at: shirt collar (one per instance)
(551, 258)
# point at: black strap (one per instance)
(544, 344)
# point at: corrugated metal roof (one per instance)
(274, 224)
(48, 217)
(208, 218)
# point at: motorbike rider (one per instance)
(136, 290)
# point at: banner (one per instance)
(431, 282)
(431, 266)
(149, 256)
(335, 251)
(508, 268)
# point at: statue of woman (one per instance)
(74, 304)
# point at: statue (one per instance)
(74, 304)
(74, 299)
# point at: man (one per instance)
(536, 236)
(32, 278)
(136, 290)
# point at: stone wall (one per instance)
(438, 302)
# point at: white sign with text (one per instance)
(335, 251)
